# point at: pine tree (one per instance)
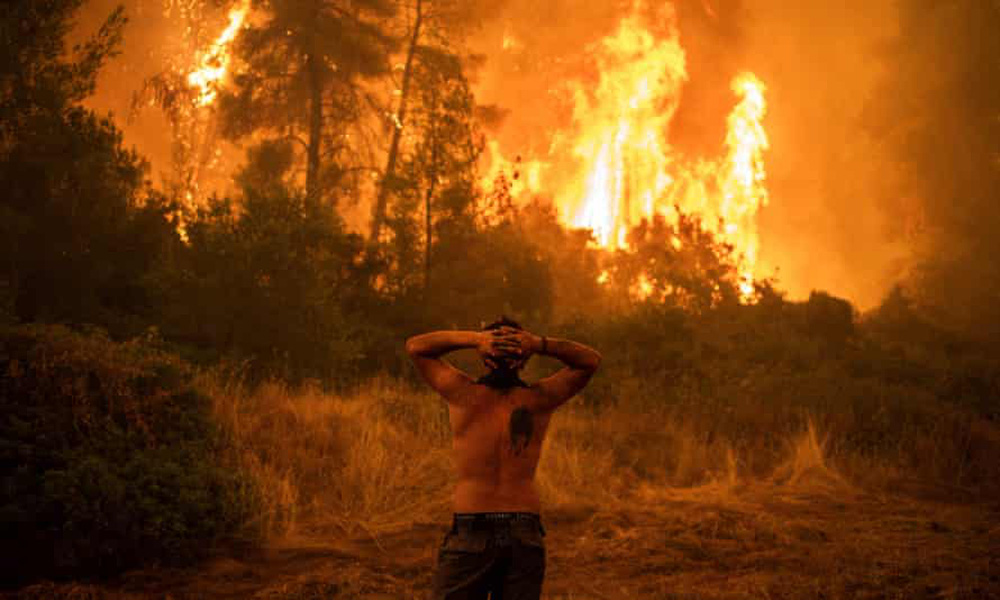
(301, 78)
(78, 226)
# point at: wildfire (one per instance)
(625, 164)
(742, 179)
(623, 167)
(213, 64)
(526, 175)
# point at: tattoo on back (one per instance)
(521, 429)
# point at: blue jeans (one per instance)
(500, 556)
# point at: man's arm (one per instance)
(427, 349)
(581, 362)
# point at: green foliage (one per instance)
(485, 272)
(272, 92)
(79, 230)
(109, 459)
(274, 279)
(434, 186)
(882, 387)
(645, 351)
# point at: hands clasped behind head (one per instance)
(503, 348)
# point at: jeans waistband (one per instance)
(494, 520)
(488, 519)
(496, 524)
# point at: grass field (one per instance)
(638, 503)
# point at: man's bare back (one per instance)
(497, 441)
(498, 431)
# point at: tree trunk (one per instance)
(378, 215)
(313, 191)
(428, 237)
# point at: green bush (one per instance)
(884, 389)
(108, 458)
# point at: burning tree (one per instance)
(197, 64)
(300, 80)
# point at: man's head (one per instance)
(507, 364)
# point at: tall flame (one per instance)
(213, 65)
(624, 158)
(742, 180)
(623, 167)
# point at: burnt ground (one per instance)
(815, 540)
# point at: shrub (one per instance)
(108, 457)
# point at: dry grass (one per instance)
(378, 459)
(639, 502)
(369, 461)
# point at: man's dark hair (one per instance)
(503, 321)
(502, 379)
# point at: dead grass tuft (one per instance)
(366, 461)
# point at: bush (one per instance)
(108, 457)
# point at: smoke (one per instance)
(830, 225)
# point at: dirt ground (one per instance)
(808, 540)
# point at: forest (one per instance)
(204, 391)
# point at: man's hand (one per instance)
(494, 345)
(524, 343)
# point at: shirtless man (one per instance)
(495, 545)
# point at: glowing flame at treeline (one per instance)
(624, 169)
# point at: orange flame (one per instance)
(213, 64)
(625, 169)
(625, 160)
(526, 175)
(742, 182)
